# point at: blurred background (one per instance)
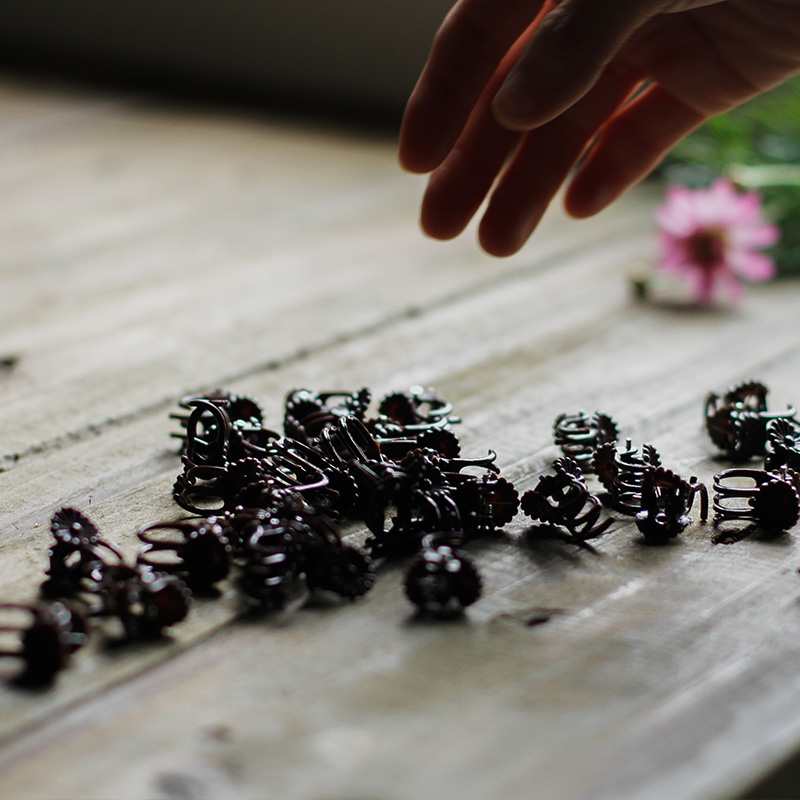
(355, 58)
(354, 61)
(758, 147)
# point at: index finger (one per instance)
(467, 50)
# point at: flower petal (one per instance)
(753, 267)
(710, 237)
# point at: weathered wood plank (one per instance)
(630, 672)
(165, 249)
(123, 474)
(516, 579)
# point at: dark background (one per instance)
(345, 57)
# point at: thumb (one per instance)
(564, 57)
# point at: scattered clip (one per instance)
(736, 421)
(579, 436)
(46, 642)
(771, 499)
(564, 500)
(666, 502)
(197, 551)
(783, 441)
(622, 471)
(442, 581)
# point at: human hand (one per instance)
(515, 91)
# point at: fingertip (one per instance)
(498, 242)
(510, 219)
(415, 155)
(411, 162)
(442, 227)
(429, 129)
(497, 251)
(439, 232)
(581, 204)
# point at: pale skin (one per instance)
(514, 91)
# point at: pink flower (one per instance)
(710, 238)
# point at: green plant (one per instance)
(757, 146)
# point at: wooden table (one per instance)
(150, 251)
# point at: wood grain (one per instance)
(153, 251)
